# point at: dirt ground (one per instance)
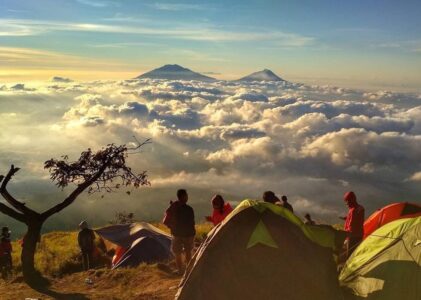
(141, 283)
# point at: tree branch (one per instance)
(12, 213)
(20, 206)
(71, 198)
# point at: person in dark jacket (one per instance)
(86, 240)
(286, 204)
(181, 223)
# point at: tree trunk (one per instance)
(30, 241)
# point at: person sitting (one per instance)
(309, 220)
(5, 253)
(270, 197)
(286, 204)
(86, 238)
(221, 209)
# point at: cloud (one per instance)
(197, 32)
(61, 79)
(13, 60)
(416, 177)
(356, 146)
(310, 142)
(97, 4)
(178, 6)
(18, 87)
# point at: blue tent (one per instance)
(140, 243)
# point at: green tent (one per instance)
(263, 251)
(387, 264)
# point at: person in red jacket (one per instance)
(221, 209)
(354, 223)
(5, 253)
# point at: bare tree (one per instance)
(104, 170)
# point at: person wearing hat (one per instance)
(86, 239)
(5, 252)
(354, 223)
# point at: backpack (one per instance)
(169, 216)
(86, 239)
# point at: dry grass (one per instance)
(143, 282)
(58, 258)
(201, 229)
(58, 253)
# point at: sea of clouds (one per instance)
(311, 143)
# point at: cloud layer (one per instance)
(311, 143)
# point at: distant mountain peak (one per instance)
(172, 68)
(264, 75)
(175, 72)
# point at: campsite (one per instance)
(264, 246)
(210, 150)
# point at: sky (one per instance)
(365, 44)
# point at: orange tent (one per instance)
(390, 213)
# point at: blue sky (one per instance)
(373, 44)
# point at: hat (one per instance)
(350, 197)
(83, 225)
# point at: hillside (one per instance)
(58, 259)
(144, 282)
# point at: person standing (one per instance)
(5, 253)
(354, 223)
(179, 217)
(86, 240)
(221, 209)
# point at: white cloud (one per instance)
(309, 142)
(19, 27)
(416, 177)
(97, 4)
(178, 6)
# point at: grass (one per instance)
(142, 282)
(201, 229)
(58, 253)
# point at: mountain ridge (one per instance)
(177, 72)
(174, 72)
(264, 75)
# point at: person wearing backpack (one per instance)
(179, 218)
(86, 238)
